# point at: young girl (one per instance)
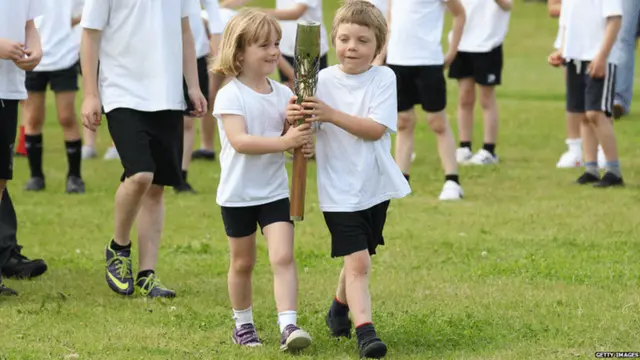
(253, 186)
(356, 109)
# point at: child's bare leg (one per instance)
(603, 129)
(341, 292)
(404, 140)
(242, 262)
(356, 272)
(207, 132)
(446, 145)
(466, 102)
(128, 201)
(489, 105)
(65, 103)
(150, 222)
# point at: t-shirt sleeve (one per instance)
(563, 14)
(384, 102)
(309, 3)
(95, 14)
(36, 8)
(77, 7)
(212, 9)
(228, 102)
(612, 7)
(188, 8)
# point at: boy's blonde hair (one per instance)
(362, 13)
(246, 28)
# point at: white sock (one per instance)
(286, 318)
(243, 317)
(575, 145)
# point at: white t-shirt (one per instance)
(140, 52)
(289, 27)
(14, 15)
(585, 23)
(416, 32)
(248, 180)
(199, 31)
(485, 27)
(382, 5)
(60, 45)
(355, 174)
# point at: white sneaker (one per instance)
(483, 157)
(602, 160)
(88, 152)
(451, 191)
(463, 155)
(111, 154)
(413, 157)
(569, 159)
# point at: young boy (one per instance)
(20, 51)
(355, 109)
(414, 53)
(58, 68)
(479, 61)
(589, 32)
(140, 87)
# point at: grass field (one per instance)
(528, 266)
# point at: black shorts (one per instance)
(484, 68)
(356, 231)
(149, 142)
(587, 94)
(8, 129)
(60, 80)
(243, 221)
(424, 85)
(203, 79)
(284, 78)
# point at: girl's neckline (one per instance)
(269, 82)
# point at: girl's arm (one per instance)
(236, 130)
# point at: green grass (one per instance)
(528, 266)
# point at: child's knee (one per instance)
(437, 122)
(188, 124)
(241, 265)
(487, 97)
(594, 116)
(467, 98)
(406, 121)
(281, 259)
(68, 121)
(357, 264)
(141, 181)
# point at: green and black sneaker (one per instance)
(149, 285)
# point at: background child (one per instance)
(20, 51)
(140, 88)
(479, 61)
(414, 53)
(59, 69)
(589, 33)
(356, 108)
(253, 188)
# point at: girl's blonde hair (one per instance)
(361, 13)
(246, 28)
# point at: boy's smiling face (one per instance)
(355, 47)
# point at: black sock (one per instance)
(365, 332)
(339, 309)
(74, 157)
(490, 148)
(465, 144)
(452, 177)
(145, 273)
(406, 176)
(34, 153)
(115, 246)
(184, 175)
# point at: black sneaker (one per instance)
(20, 267)
(5, 291)
(35, 184)
(609, 180)
(202, 154)
(587, 178)
(372, 349)
(339, 326)
(185, 187)
(75, 185)
(152, 287)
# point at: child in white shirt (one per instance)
(20, 51)
(589, 29)
(415, 54)
(59, 69)
(356, 109)
(479, 61)
(254, 187)
(144, 49)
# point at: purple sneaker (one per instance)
(246, 335)
(293, 339)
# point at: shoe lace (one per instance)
(152, 282)
(122, 265)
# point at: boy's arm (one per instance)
(364, 128)
(292, 13)
(32, 48)
(232, 4)
(75, 20)
(236, 130)
(459, 18)
(89, 54)
(611, 34)
(554, 6)
(190, 70)
(505, 5)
